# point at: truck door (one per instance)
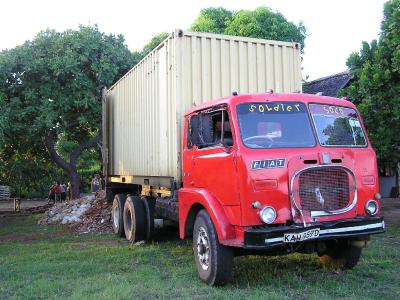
(212, 163)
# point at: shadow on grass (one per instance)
(254, 270)
(169, 233)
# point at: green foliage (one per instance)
(136, 57)
(54, 81)
(89, 164)
(28, 175)
(154, 42)
(3, 118)
(260, 23)
(375, 87)
(212, 19)
(266, 24)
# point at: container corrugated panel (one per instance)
(145, 108)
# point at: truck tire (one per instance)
(134, 219)
(214, 261)
(117, 214)
(341, 255)
(149, 204)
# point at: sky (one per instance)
(335, 28)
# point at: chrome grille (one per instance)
(325, 188)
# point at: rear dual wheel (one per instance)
(149, 204)
(133, 217)
(117, 214)
(135, 221)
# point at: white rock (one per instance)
(70, 219)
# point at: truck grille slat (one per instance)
(324, 189)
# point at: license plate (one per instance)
(301, 236)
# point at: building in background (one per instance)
(328, 86)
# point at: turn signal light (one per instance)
(265, 185)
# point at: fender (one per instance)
(192, 196)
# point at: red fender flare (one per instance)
(188, 197)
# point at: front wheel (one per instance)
(342, 255)
(214, 261)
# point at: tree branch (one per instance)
(50, 142)
(78, 150)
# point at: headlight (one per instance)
(268, 214)
(371, 207)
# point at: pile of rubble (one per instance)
(88, 214)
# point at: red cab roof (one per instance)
(305, 98)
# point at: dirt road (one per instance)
(391, 211)
(9, 205)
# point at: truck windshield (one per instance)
(337, 126)
(275, 125)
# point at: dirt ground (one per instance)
(9, 205)
(391, 211)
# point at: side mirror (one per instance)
(227, 148)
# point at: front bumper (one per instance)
(272, 237)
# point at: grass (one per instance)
(39, 262)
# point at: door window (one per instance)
(208, 129)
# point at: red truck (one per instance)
(264, 173)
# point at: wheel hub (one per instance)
(203, 249)
(116, 217)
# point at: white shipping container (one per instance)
(143, 111)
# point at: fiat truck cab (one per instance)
(274, 174)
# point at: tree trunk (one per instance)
(75, 184)
(68, 167)
(398, 180)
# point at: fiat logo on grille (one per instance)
(319, 197)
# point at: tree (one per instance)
(154, 42)
(3, 118)
(376, 86)
(52, 93)
(212, 19)
(260, 23)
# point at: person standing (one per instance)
(95, 184)
(57, 192)
(52, 193)
(69, 192)
(63, 192)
